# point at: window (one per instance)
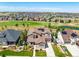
(35, 36)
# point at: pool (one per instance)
(70, 27)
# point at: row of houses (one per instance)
(56, 17)
(27, 18)
(35, 36)
(38, 36)
(38, 18)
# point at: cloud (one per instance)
(35, 9)
(27, 9)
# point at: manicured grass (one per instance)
(30, 23)
(57, 51)
(40, 53)
(66, 51)
(12, 53)
(6, 24)
(36, 23)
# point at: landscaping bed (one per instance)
(40, 53)
(57, 51)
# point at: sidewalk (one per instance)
(49, 50)
(34, 50)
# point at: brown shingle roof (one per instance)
(67, 36)
(42, 35)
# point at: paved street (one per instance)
(73, 49)
(49, 50)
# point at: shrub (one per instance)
(3, 55)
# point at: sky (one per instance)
(39, 6)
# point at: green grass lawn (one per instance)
(57, 51)
(12, 53)
(40, 53)
(31, 23)
(66, 51)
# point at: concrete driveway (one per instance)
(49, 50)
(73, 49)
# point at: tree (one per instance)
(69, 21)
(16, 25)
(61, 21)
(2, 28)
(56, 20)
(23, 38)
(55, 35)
(5, 26)
(63, 29)
(58, 29)
(27, 25)
(3, 55)
(49, 24)
(23, 24)
(23, 35)
(52, 36)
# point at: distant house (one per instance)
(9, 37)
(39, 37)
(68, 36)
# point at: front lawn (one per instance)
(57, 51)
(12, 53)
(66, 51)
(40, 53)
